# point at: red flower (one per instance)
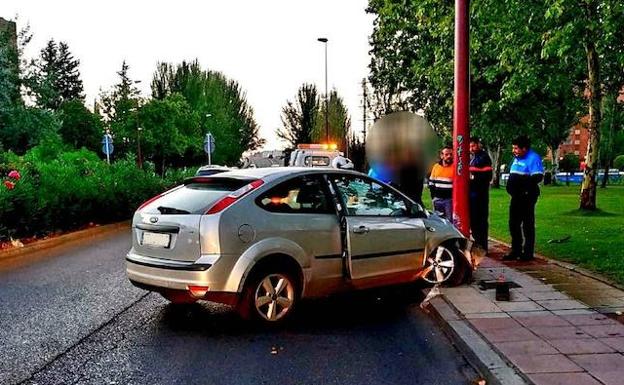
(15, 175)
(10, 185)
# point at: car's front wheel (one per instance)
(445, 265)
(269, 296)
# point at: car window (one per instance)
(304, 195)
(364, 197)
(194, 198)
(316, 161)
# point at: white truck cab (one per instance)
(314, 155)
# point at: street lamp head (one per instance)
(139, 128)
(322, 39)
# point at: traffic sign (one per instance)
(107, 146)
(209, 144)
(108, 149)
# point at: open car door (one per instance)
(382, 238)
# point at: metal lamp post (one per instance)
(140, 156)
(324, 41)
(461, 114)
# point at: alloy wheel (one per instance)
(439, 266)
(274, 297)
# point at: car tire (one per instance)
(178, 297)
(269, 296)
(446, 265)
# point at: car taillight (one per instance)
(226, 201)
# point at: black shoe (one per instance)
(526, 258)
(510, 257)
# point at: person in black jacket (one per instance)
(525, 174)
(480, 177)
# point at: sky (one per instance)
(270, 47)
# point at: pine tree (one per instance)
(57, 78)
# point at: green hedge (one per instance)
(64, 190)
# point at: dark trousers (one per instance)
(479, 212)
(522, 225)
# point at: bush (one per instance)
(63, 190)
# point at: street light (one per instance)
(139, 129)
(140, 157)
(324, 41)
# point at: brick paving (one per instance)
(558, 327)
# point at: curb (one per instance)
(62, 239)
(571, 267)
(478, 352)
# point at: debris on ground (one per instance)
(560, 240)
(434, 292)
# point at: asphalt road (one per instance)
(69, 316)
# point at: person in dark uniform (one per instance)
(480, 177)
(525, 175)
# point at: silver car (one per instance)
(262, 239)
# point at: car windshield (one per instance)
(195, 197)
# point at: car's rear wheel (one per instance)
(445, 265)
(269, 296)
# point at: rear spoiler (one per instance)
(217, 178)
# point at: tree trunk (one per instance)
(496, 159)
(554, 169)
(588, 187)
(605, 177)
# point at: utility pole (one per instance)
(461, 116)
(364, 111)
(324, 40)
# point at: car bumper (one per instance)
(159, 275)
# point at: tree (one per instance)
(170, 128)
(589, 29)
(300, 118)
(79, 126)
(339, 122)
(569, 164)
(412, 58)
(57, 77)
(220, 103)
(9, 71)
(120, 109)
(26, 126)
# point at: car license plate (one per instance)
(156, 239)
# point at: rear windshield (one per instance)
(209, 172)
(194, 197)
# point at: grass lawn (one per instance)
(596, 238)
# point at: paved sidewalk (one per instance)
(558, 327)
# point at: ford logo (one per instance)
(153, 219)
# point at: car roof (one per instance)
(270, 173)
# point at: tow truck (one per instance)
(314, 155)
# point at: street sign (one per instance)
(107, 146)
(209, 144)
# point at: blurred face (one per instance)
(518, 152)
(474, 147)
(447, 156)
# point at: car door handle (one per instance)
(360, 230)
